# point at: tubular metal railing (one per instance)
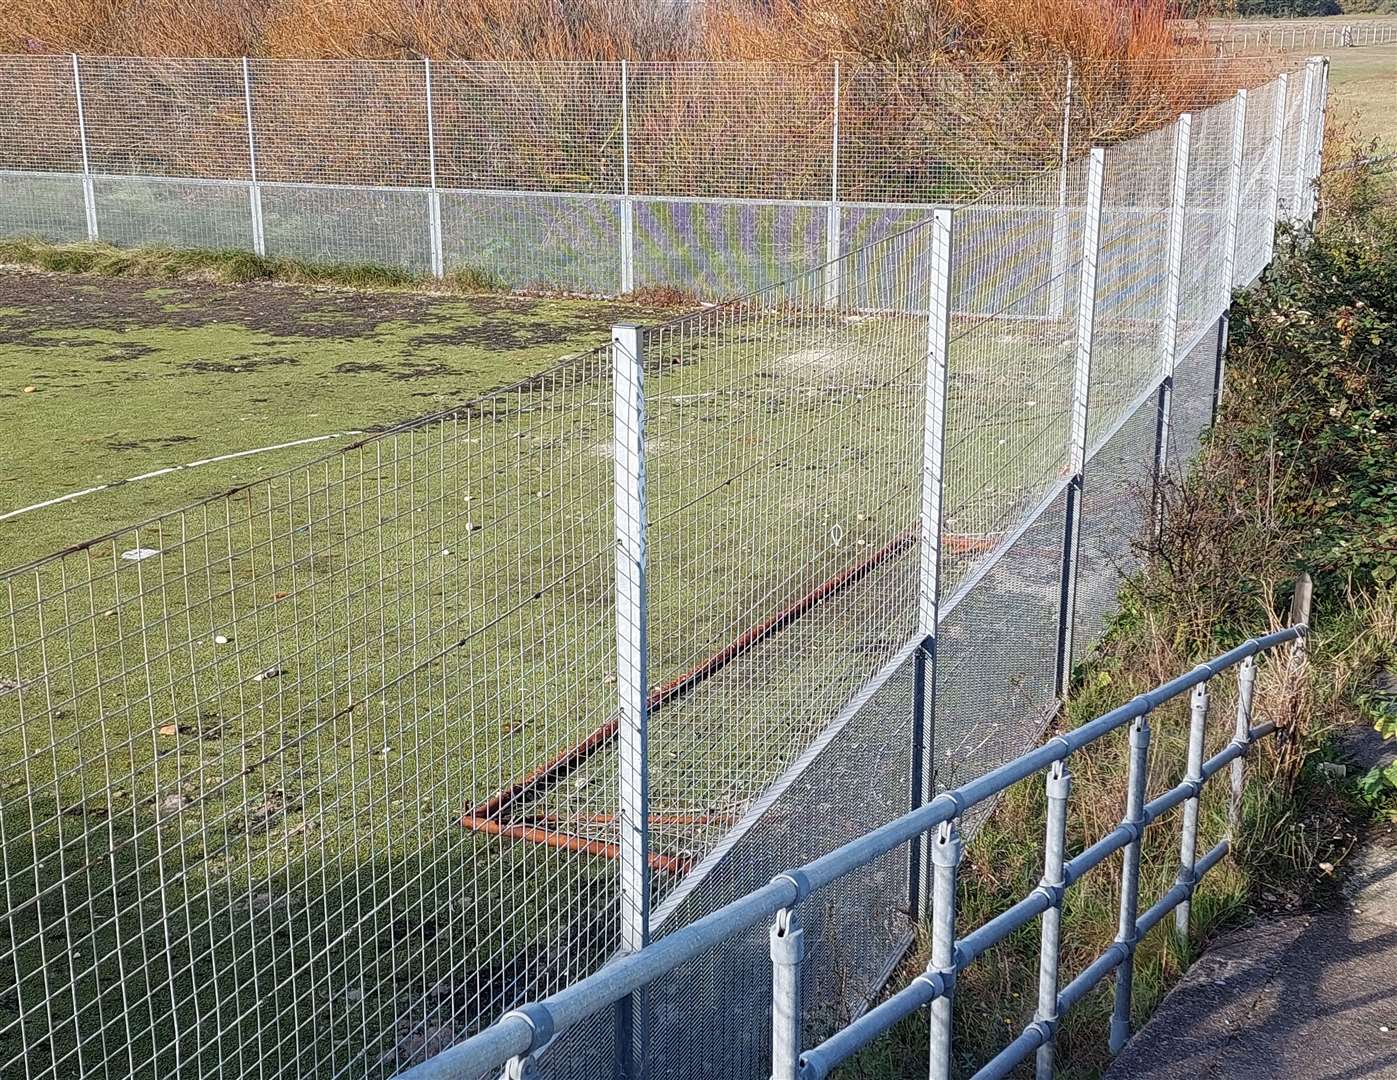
(512, 1041)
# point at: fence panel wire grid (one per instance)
(319, 777)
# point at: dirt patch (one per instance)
(237, 364)
(161, 443)
(48, 302)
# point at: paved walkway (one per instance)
(1305, 996)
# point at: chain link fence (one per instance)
(714, 178)
(323, 775)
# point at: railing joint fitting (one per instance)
(540, 1022)
(798, 879)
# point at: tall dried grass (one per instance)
(792, 30)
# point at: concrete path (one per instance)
(1304, 996)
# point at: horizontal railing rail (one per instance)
(523, 1032)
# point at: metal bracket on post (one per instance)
(632, 669)
(89, 193)
(1273, 183)
(1193, 774)
(1058, 264)
(787, 955)
(1130, 882)
(945, 859)
(1229, 245)
(627, 206)
(1246, 684)
(433, 195)
(254, 188)
(1302, 149)
(923, 764)
(1059, 785)
(833, 219)
(1169, 330)
(1081, 392)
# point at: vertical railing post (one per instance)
(1317, 142)
(787, 955)
(833, 217)
(945, 858)
(627, 206)
(89, 193)
(1130, 882)
(1081, 392)
(1229, 242)
(632, 665)
(1193, 774)
(254, 187)
(923, 763)
(433, 195)
(1059, 785)
(1173, 294)
(1273, 171)
(1246, 684)
(1302, 147)
(1058, 264)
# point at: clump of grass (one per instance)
(234, 267)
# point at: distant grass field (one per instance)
(1363, 83)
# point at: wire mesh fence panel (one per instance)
(711, 1017)
(1115, 509)
(1009, 371)
(996, 649)
(726, 248)
(379, 226)
(245, 741)
(174, 213)
(528, 127)
(946, 132)
(1202, 294)
(166, 117)
(357, 122)
(1292, 147)
(1258, 198)
(1132, 278)
(731, 130)
(39, 114)
(1191, 408)
(566, 243)
(45, 206)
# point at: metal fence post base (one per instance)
(787, 954)
(1130, 884)
(946, 851)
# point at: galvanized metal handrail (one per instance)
(523, 1032)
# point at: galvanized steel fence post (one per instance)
(787, 954)
(945, 859)
(1169, 329)
(1126, 933)
(627, 206)
(254, 188)
(1081, 390)
(433, 195)
(1193, 774)
(1057, 268)
(1059, 784)
(1317, 142)
(923, 763)
(833, 217)
(632, 667)
(89, 193)
(1229, 241)
(1276, 150)
(1302, 148)
(1246, 684)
